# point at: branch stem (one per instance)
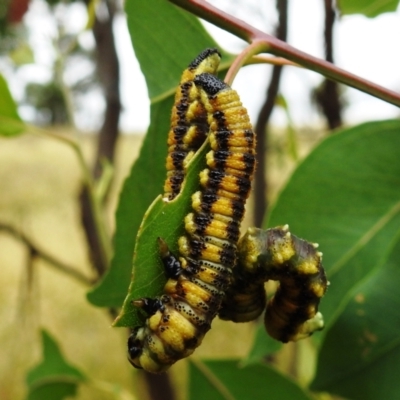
(270, 44)
(59, 265)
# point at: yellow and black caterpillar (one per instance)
(198, 279)
(189, 126)
(292, 313)
(214, 273)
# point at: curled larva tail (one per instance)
(189, 127)
(200, 275)
(292, 313)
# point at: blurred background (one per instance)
(53, 32)
(71, 69)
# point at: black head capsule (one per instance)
(210, 83)
(172, 265)
(148, 305)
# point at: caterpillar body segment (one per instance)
(200, 275)
(292, 313)
(189, 126)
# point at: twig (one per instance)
(263, 59)
(91, 188)
(328, 96)
(34, 250)
(268, 43)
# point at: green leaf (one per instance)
(360, 357)
(140, 188)
(369, 8)
(165, 40)
(54, 378)
(224, 380)
(345, 196)
(163, 219)
(10, 122)
(54, 391)
(263, 345)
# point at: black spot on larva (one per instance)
(180, 131)
(196, 248)
(233, 231)
(177, 158)
(177, 178)
(182, 106)
(220, 157)
(244, 185)
(223, 138)
(202, 220)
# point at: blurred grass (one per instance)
(40, 183)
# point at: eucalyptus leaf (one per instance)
(360, 356)
(10, 122)
(263, 346)
(369, 8)
(53, 390)
(225, 380)
(54, 377)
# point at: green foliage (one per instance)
(369, 8)
(226, 380)
(263, 346)
(10, 122)
(54, 378)
(361, 353)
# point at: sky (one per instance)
(362, 46)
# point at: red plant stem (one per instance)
(279, 48)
